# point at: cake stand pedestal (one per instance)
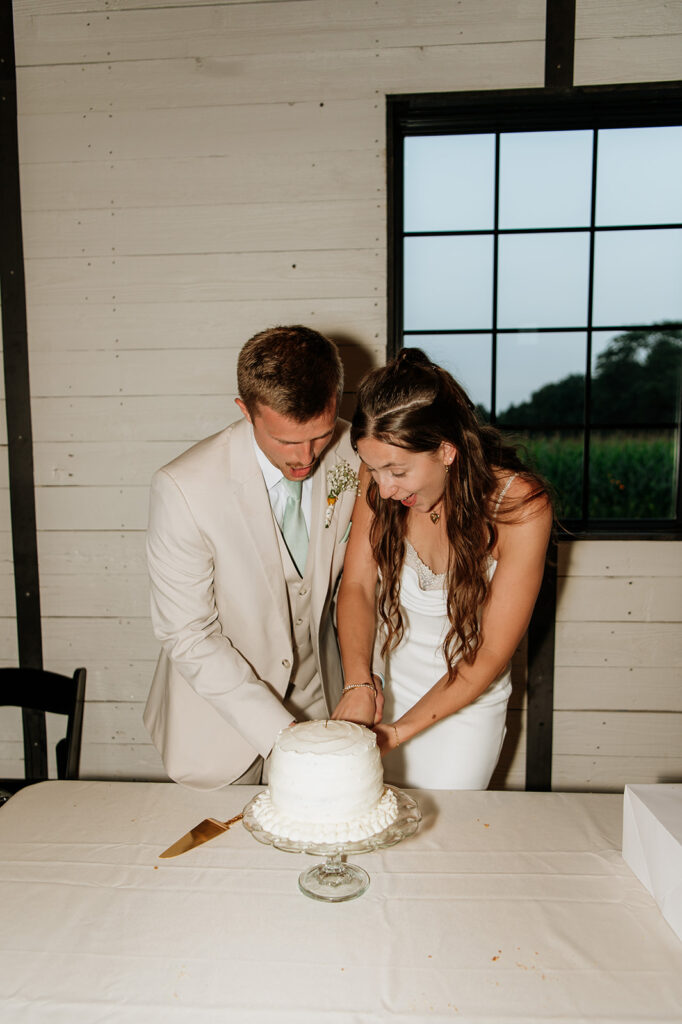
(336, 881)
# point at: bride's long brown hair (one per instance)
(413, 404)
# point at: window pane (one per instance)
(636, 378)
(637, 277)
(541, 379)
(574, 237)
(632, 474)
(545, 179)
(638, 176)
(558, 457)
(449, 182)
(543, 280)
(468, 357)
(448, 283)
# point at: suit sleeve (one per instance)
(185, 621)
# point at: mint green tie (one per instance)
(294, 529)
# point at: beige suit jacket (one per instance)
(220, 610)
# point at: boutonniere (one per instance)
(341, 477)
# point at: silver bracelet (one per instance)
(356, 686)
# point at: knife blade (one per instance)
(207, 829)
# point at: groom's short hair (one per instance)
(294, 370)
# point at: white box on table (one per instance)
(652, 844)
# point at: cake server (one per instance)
(207, 829)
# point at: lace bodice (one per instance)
(428, 579)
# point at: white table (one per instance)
(504, 907)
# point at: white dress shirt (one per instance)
(277, 493)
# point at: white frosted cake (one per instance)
(326, 785)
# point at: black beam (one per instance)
(17, 391)
(559, 43)
(540, 713)
(395, 188)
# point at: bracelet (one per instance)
(356, 686)
(397, 738)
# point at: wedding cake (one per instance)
(326, 785)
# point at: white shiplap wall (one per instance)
(618, 675)
(192, 172)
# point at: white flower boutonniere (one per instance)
(341, 477)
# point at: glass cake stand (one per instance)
(336, 881)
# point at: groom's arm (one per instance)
(185, 621)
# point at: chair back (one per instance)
(38, 691)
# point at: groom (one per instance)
(245, 549)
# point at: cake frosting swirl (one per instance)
(326, 785)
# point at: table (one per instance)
(505, 907)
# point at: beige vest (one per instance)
(304, 697)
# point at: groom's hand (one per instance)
(358, 705)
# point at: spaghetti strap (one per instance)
(502, 494)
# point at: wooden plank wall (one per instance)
(192, 172)
(618, 674)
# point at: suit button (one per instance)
(303, 591)
(286, 662)
(299, 622)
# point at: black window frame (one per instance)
(653, 104)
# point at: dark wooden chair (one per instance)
(37, 691)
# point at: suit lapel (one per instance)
(252, 505)
(322, 538)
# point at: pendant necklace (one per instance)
(435, 516)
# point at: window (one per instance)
(537, 254)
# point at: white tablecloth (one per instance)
(505, 907)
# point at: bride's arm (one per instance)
(513, 591)
(356, 618)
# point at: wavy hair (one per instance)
(413, 404)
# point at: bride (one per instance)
(443, 567)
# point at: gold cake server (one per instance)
(207, 829)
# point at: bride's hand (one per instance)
(379, 705)
(385, 734)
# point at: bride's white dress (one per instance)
(461, 751)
